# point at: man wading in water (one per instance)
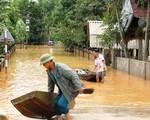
(99, 62)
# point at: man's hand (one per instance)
(80, 91)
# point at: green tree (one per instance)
(20, 31)
(70, 20)
(114, 31)
(9, 15)
(37, 24)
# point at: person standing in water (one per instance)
(99, 64)
(67, 81)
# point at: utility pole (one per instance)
(27, 29)
(6, 53)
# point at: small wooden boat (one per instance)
(37, 104)
(87, 75)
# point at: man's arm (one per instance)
(95, 68)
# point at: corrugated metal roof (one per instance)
(95, 28)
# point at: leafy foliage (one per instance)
(9, 15)
(20, 31)
(71, 17)
(108, 38)
(61, 20)
(110, 35)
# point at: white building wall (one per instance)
(95, 28)
(133, 44)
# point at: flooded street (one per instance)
(121, 97)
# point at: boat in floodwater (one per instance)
(85, 74)
(37, 104)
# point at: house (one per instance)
(95, 28)
(134, 15)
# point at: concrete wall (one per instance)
(76, 51)
(81, 53)
(84, 53)
(88, 54)
(115, 53)
(132, 66)
(135, 67)
(123, 64)
(147, 70)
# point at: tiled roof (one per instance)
(139, 12)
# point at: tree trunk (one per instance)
(147, 34)
(140, 52)
(49, 33)
(124, 46)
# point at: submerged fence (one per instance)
(132, 66)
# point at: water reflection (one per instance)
(120, 92)
(51, 49)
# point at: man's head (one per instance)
(95, 53)
(46, 58)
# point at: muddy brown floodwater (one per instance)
(121, 97)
